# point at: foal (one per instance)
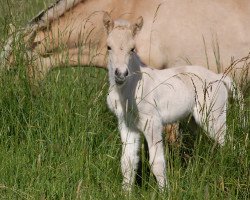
(144, 99)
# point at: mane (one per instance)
(54, 11)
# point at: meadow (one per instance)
(64, 143)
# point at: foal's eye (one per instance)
(133, 49)
(109, 48)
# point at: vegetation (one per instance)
(63, 143)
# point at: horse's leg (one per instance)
(130, 155)
(172, 132)
(153, 133)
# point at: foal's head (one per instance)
(121, 46)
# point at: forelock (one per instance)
(121, 24)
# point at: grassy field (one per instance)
(64, 143)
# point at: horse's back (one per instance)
(197, 32)
(175, 32)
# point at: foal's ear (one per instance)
(137, 26)
(108, 22)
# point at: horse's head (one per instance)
(121, 46)
(13, 43)
(6, 56)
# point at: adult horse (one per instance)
(175, 32)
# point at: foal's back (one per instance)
(180, 91)
(192, 77)
(186, 71)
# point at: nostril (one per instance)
(126, 73)
(117, 72)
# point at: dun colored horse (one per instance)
(176, 32)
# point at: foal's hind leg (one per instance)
(218, 113)
(212, 118)
(218, 118)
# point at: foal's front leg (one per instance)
(152, 129)
(130, 154)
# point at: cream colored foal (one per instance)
(145, 99)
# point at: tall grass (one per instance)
(64, 144)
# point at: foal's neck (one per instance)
(135, 64)
(134, 68)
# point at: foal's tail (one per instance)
(236, 94)
(232, 88)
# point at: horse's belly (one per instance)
(197, 33)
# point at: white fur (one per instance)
(150, 98)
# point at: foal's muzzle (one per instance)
(120, 77)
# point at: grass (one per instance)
(64, 143)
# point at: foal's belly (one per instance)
(174, 113)
(175, 106)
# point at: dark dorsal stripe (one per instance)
(41, 17)
(42, 13)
